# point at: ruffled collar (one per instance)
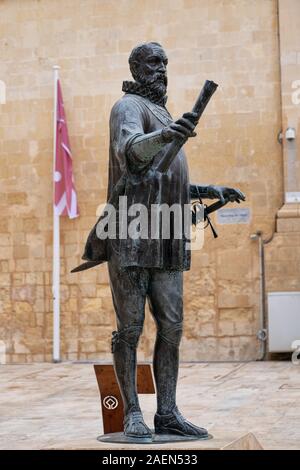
(146, 92)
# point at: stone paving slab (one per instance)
(55, 406)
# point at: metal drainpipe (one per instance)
(262, 333)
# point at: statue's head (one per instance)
(148, 65)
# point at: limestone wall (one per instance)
(233, 42)
(283, 252)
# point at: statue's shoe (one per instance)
(175, 423)
(135, 426)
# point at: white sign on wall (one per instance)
(235, 215)
(292, 196)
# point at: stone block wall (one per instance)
(234, 43)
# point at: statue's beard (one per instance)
(157, 83)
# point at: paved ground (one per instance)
(46, 406)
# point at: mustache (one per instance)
(152, 80)
(158, 77)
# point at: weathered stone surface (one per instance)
(236, 46)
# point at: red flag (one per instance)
(65, 198)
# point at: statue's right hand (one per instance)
(181, 129)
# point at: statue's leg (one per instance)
(165, 301)
(166, 304)
(129, 294)
(124, 344)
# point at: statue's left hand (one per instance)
(222, 192)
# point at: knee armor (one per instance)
(129, 335)
(172, 334)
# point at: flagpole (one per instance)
(56, 241)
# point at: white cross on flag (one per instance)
(65, 198)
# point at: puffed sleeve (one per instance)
(128, 121)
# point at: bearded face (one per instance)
(150, 68)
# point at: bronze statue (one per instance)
(141, 132)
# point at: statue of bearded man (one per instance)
(148, 268)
